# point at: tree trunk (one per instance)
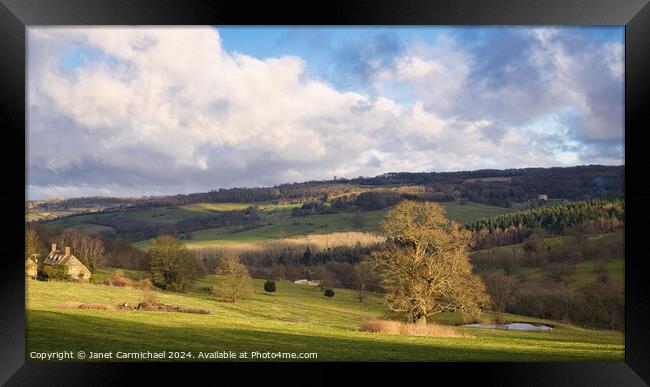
(422, 320)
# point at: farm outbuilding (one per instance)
(308, 282)
(70, 264)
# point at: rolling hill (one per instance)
(275, 221)
(294, 319)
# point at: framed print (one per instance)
(412, 189)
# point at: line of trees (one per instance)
(558, 218)
(573, 183)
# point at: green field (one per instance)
(294, 319)
(167, 215)
(469, 211)
(264, 207)
(519, 247)
(36, 215)
(90, 228)
(286, 227)
(277, 223)
(584, 274)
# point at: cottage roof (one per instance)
(57, 258)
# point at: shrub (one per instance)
(54, 273)
(119, 279)
(269, 286)
(149, 297)
(144, 284)
(399, 328)
(328, 292)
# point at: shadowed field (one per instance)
(294, 319)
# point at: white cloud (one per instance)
(168, 110)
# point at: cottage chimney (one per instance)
(53, 247)
(67, 250)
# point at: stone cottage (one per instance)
(70, 264)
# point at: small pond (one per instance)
(513, 326)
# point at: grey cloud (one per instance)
(494, 133)
(359, 62)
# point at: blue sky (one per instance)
(135, 110)
(321, 48)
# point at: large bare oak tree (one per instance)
(425, 266)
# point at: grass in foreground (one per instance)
(293, 319)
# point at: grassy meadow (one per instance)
(295, 318)
(276, 222)
(468, 212)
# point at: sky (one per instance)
(132, 111)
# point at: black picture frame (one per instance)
(16, 15)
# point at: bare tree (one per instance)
(87, 248)
(33, 244)
(363, 274)
(237, 283)
(425, 266)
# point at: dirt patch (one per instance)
(169, 308)
(82, 305)
(127, 306)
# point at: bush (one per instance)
(269, 286)
(328, 292)
(54, 273)
(144, 284)
(149, 297)
(119, 279)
